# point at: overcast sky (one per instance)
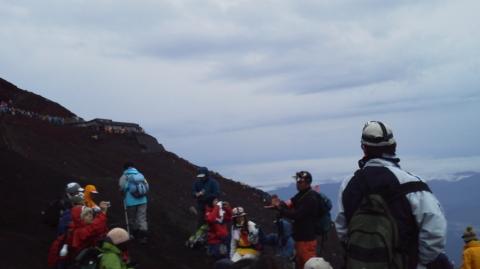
(257, 90)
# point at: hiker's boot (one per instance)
(142, 237)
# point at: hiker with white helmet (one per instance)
(113, 250)
(398, 207)
(57, 213)
(245, 237)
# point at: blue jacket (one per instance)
(129, 199)
(65, 220)
(209, 186)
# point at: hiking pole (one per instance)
(126, 217)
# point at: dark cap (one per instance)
(202, 172)
(303, 175)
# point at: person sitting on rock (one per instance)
(245, 237)
(217, 216)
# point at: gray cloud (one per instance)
(241, 81)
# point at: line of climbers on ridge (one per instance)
(8, 108)
(387, 218)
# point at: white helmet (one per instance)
(73, 188)
(377, 134)
(238, 212)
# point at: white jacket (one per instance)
(425, 207)
(253, 236)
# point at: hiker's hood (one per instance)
(472, 244)
(88, 194)
(131, 171)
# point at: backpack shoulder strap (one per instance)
(413, 186)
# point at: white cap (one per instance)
(377, 134)
(118, 235)
(317, 263)
(73, 187)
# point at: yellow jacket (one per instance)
(471, 255)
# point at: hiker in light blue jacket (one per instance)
(134, 187)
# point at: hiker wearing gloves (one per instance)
(203, 189)
(217, 216)
(302, 210)
(86, 229)
(113, 250)
(245, 237)
(134, 188)
(471, 250)
(399, 207)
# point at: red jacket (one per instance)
(217, 227)
(82, 235)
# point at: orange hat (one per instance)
(91, 189)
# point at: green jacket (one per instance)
(112, 257)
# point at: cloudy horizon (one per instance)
(259, 90)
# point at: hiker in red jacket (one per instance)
(85, 230)
(217, 216)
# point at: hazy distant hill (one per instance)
(458, 198)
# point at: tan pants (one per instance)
(137, 217)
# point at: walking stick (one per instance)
(126, 217)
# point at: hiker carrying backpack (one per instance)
(134, 188)
(323, 222)
(388, 218)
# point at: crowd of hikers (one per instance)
(83, 237)
(7, 107)
(387, 218)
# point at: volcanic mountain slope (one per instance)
(39, 158)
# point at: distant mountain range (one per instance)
(459, 199)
